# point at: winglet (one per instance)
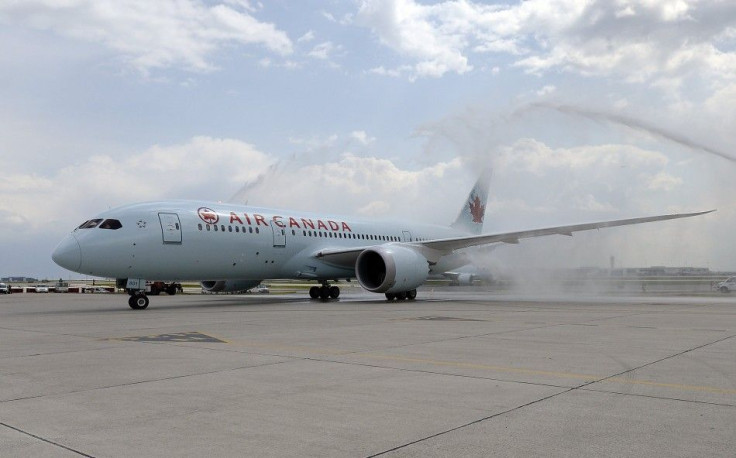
(473, 211)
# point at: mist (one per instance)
(630, 122)
(538, 184)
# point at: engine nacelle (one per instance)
(228, 286)
(391, 269)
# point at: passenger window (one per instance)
(111, 224)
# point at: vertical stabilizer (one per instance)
(473, 211)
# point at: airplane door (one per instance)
(279, 235)
(407, 236)
(170, 227)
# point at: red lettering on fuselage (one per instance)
(260, 220)
(306, 223)
(234, 217)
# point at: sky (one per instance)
(586, 110)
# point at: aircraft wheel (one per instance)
(390, 296)
(411, 295)
(334, 292)
(314, 292)
(138, 301)
(324, 293)
(401, 296)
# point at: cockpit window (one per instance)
(89, 224)
(111, 224)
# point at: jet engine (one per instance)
(391, 269)
(228, 286)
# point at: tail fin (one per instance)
(471, 215)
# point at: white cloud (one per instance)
(535, 157)
(546, 90)
(201, 168)
(634, 40)
(362, 185)
(362, 137)
(152, 35)
(664, 181)
(322, 51)
(307, 37)
(417, 32)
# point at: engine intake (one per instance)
(391, 269)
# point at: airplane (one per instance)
(237, 246)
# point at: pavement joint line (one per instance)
(663, 398)
(141, 382)
(618, 376)
(48, 441)
(507, 369)
(522, 382)
(55, 353)
(474, 422)
(545, 398)
(555, 374)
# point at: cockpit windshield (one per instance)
(107, 224)
(111, 224)
(90, 224)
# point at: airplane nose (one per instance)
(68, 254)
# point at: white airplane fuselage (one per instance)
(187, 240)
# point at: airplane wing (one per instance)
(440, 247)
(456, 243)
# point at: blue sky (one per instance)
(586, 110)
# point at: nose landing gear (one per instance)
(138, 301)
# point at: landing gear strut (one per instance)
(138, 301)
(324, 292)
(404, 295)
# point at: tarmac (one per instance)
(455, 373)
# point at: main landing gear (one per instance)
(138, 300)
(324, 292)
(402, 296)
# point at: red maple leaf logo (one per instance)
(476, 209)
(208, 215)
